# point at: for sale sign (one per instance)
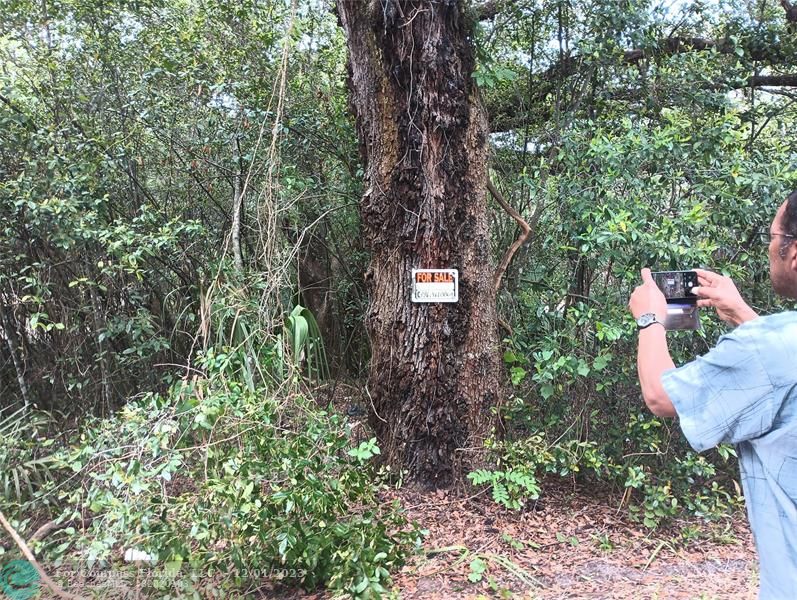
(435, 285)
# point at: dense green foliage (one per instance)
(180, 256)
(679, 192)
(225, 488)
(663, 161)
(149, 164)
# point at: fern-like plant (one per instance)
(511, 488)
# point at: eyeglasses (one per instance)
(766, 236)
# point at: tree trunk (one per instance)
(237, 207)
(97, 314)
(435, 368)
(13, 347)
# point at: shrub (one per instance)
(235, 484)
(666, 486)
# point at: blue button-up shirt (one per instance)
(744, 392)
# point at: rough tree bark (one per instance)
(435, 368)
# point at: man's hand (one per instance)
(653, 357)
(719, 292)
(647, 298)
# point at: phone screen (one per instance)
(677, 286)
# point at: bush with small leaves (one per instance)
(232, 482)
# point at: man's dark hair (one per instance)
(789, 222)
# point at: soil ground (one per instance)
(572, 545)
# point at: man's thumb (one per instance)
(646, 276)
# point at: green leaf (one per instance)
(360, 587)
(517, 374)
(477, 569)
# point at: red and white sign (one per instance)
(435, 285)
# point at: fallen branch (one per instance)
(26, 552)
(46, 529)
(654, 554)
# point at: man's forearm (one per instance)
(653, 359)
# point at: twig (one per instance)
(26, 552)
(444, 550)
(525, 231)
(654, 554)
(378, 416)
(186, 367)
(506, 327)
(625, 499)
(515, 569)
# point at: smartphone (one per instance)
(682, 310)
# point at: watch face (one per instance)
(646, 319)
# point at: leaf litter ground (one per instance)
(571, 544)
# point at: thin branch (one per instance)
(754, 134)
(525, 232)
(13, 106)
(506, 327)
(784, 93)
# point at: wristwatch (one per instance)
(647, 320)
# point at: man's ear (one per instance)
(791, 256)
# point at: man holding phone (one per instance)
(743, 392)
